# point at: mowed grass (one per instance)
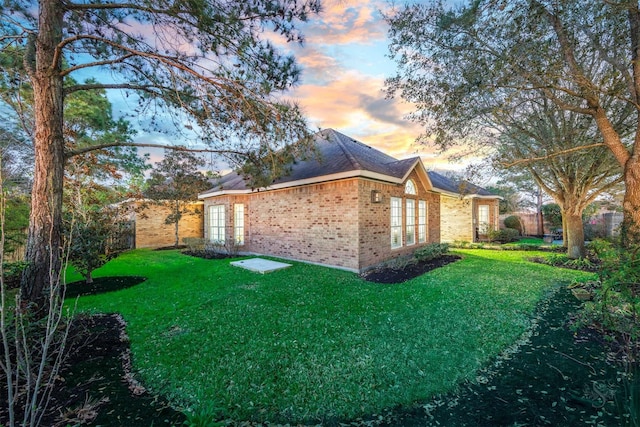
(312, 343)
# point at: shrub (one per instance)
(228, 247)
(514, 222)
(615, 311)
(88, 248)
(13, 273)
(431, 251)
(194, 244)
(504, 235)
(552, 214)
(527, 247)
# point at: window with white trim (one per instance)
(410, 188)
(396, 222)
(410, 231)
(483, 219)
(422, 221)
(216, 224)
(238, 223)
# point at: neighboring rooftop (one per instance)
(464, 188)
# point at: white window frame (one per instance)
(422, 221)
(410, 229)
(217, 224)
(396, 222)
(483, 219)
(410, 187)
(238, 223)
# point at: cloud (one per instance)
(353, 103)
(347, 21)
(318, 67)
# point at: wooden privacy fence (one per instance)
(601, 225)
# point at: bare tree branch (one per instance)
(552, 155)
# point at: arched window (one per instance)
(410, 188)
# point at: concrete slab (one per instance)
(260, 265)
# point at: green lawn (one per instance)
(311, 343)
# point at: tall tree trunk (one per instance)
(574, 234)
(540, 217)
(177, 219)
(565, 231)
(43, 251)
(630, 232)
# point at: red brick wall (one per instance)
(375, 235)
(494, 215)
(316, 223)
(333, 223)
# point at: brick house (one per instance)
(350, 206)
(468, 212)
(148, 228)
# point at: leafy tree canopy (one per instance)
(487, 65)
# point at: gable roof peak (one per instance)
(337, 156)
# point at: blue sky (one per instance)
(345, 62)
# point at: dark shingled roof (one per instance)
(443, 183)
(335, 153)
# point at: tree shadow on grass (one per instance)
(102, 285)
(553, 377)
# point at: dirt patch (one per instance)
(170, 248)
(101, 285)
(408, 272)
(207, 254)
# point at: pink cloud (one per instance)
(347, 21)
(354, 104)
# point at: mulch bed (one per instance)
(101, 285)
(408, 272)
(170, 248)
(554, 377)
(97, 384)
(206, 254)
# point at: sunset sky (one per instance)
(344, 63)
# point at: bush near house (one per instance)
(514, 222)
(504, 235)
(431, 251)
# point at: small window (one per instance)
(410, 188)
(238, 224)
(483, 219)
(422, 221)
(411, 222)
(396, 222)
(216, 224)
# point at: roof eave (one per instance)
(466, 196)
(315, 180)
